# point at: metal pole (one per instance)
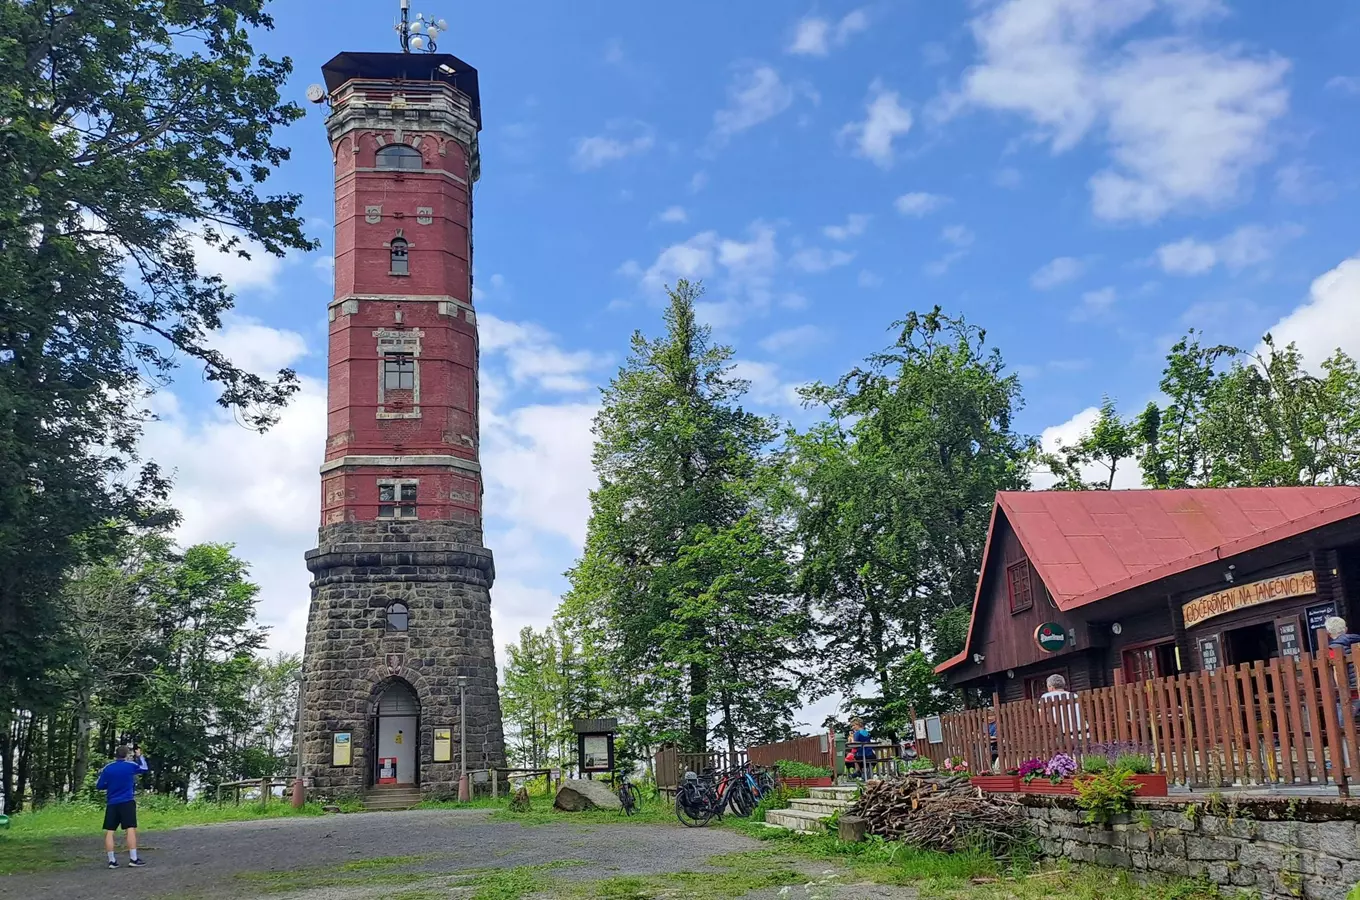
(464, 785)
(299, 784)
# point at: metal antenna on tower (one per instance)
(420, 34)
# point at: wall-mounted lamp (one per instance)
(978, 658)
(1228, 575)
(1116, 628)
(1010, 673)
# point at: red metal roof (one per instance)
(1090, 545)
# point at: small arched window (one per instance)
(400, 156)
(401, 263)
(398, 617)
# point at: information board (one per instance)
(1209, 659)
(1317, 617)
(340, 749)
(1290, 640)
(443, 744)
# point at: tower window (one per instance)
(398, 617)
(399, 372)
(400, 156)
(400, 261)
(396, 499)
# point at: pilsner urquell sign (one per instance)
(1241, 596)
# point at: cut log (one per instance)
(852, 829)
(580, 794)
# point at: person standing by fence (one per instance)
(1068, 715)
(119, 779)
(1340, 645)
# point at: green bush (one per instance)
(790, 768)
(1094, 765)
(1136, 763)
(1105, 795)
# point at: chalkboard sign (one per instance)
(1317, 617)
(1288, 630)
(1209, 659)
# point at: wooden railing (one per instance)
(671, 765)
(1286, 721)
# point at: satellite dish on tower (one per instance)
(316, 93)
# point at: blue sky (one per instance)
(1084, 178)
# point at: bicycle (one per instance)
(696, 801)
(628, 795)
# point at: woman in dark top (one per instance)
(860, 753)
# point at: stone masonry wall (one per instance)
(443, 575)
(1304, 847)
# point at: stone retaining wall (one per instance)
(1305, 848)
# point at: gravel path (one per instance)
(206, 860)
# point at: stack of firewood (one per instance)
(946, 814)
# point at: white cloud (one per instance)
(816, 260)
(885, 119)
(744, 271)
(256, 347)
(1008, 178)
(1095, 304)
(815, 35)
(533, 357)
(1300, 183)
(620, 141)
(919, 203)
(1345, 84)
(613, 52)
(697, 182)
(958, 235)
(674, 214)
(1056, 272)
(934, 54)
(259, 272)
(1249, 245)
(756, 94)
(768, 385)
(1127, 474)
(538, 470)
(869, 279)
(1185, 125)
(855, 225)
(1328, 319)
(793, 339)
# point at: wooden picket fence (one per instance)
(670, 765)
(1287, 721)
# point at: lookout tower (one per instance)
(399, 639)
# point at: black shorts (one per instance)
(120, 815)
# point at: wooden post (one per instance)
(495, 783)
(852, 829)
(266, 788)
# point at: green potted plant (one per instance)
(800, 774)
(1145, 782)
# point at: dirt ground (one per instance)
(411, 855)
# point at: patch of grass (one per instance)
(690, 885)
(22, 856)
(81, 818)
(381, 862)
(541, 812)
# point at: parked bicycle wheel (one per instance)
(628, 798)
(695, 803)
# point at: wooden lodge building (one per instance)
(1108, 587)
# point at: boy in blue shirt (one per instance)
(119, 778)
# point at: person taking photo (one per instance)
(119, 779)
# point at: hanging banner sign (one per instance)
(1241, 596)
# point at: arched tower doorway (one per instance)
(397, 726)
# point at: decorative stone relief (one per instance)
(425, 214)
(373, 214)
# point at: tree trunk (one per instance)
(7, 759)
(698, 707)
(730, 731)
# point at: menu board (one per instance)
(1290, 643)
(1209, 659)
(1317, 617)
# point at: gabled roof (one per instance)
(1090, 545)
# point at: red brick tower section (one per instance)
(403, 335)
(399, 674)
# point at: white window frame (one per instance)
(402, 510)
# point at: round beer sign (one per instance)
(1051, 637)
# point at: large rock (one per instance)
(579, 795)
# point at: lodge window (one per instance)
(1018, 586)
(400, 156)
(396, 499)
(399, 372)
(401, 262)
(398, 617)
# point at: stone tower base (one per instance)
(442, 575)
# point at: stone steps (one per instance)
(387, 799)
(811, 815)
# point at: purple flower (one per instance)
(1060, 766)
(1031, 767)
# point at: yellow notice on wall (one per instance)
(443, 744)
(1240, 596)
(340, 749)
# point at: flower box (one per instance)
(1003, 784)
(1149, 785)
(1042, 785)
(825, 781)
